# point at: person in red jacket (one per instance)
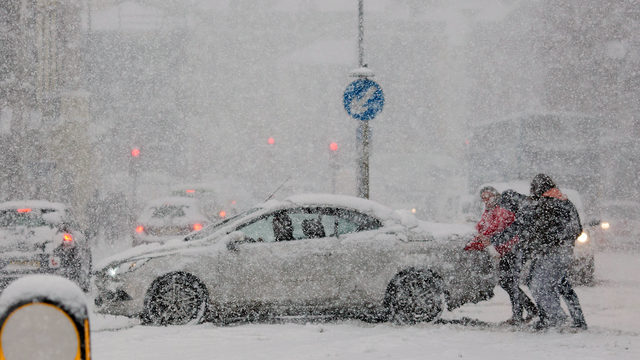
(494, 219)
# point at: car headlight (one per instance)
(605, 225)
(125, 267)
(583, 238)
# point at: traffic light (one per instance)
(134, 160)
(271, 140)
(135, 152)
(333, 146)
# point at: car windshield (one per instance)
(215, 226)
(28, 218)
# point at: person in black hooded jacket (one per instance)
(551, 236)
(524, 208)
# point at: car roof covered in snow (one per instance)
(34, 204)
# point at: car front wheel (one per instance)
(175, 299)
(415, 296)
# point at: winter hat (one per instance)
(540, 184)
(489, 189)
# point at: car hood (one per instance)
(22, 238)
(153, 250)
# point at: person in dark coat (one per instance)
(552, 235)
(512, 258)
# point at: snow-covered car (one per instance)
(582, 271)
(218, 200)
(38, 237)
(307, 255)
(165, 218)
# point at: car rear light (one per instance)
(197, 227)
(25, 210)
(222, 213)
(67, 238)
(139, 229)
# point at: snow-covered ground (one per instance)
(612, 310)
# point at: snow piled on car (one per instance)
(51, 287)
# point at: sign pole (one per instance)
(363, 164)
(363, 100)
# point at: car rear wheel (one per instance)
(175, 299)
(415, 296)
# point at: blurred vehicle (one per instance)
(582, 270)
(217, 201)
(165, 218)
(308, 255)
(39, 236)
(619, 225)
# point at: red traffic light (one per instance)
(135, 152)
(271, 140)
(333, 146)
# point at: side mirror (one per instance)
(594, 222)
(234, 239)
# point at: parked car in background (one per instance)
(165, 218)
(619, 226)
(218, 201)
(582, 271)
(39, 236)
(304, 256)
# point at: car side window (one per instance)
(260, 230)
(346, 221)
(308, 223)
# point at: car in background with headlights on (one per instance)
(308, 255)
(37, 237)
(619, 226)
(166, 218)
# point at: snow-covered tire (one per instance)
(175, 299)
(415, 296)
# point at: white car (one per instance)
(307, 255)
(39, 236)
(165, 218)
(218, 200)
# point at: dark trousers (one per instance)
(571, 299)
(565, 290)
(510, 266)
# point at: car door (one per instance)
(366, 254)
(308, 263)
(250, 270)
(298, 272)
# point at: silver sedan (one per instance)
(305, 256)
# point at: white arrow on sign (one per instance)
(357, 106)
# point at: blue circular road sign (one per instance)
(363, 99)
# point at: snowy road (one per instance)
(612, 309)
